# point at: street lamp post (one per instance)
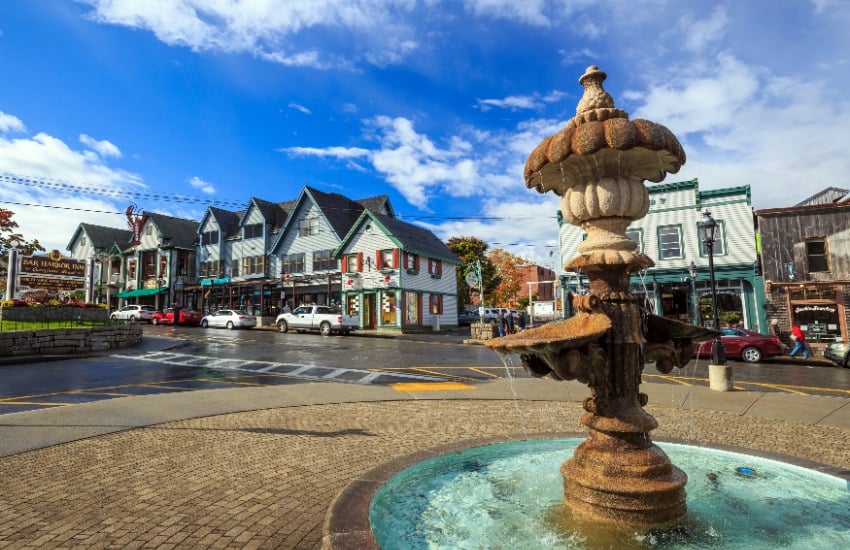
(708, 230)
(719, 373)
(12, 270)
(692, 270)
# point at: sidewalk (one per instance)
(261, 467)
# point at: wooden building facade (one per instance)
(805, 256)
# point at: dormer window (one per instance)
(253, 231)
(308, 226)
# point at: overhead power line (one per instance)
(100, 192)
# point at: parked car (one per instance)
(187, 317)
(133, 313)
(325, 319)
(743, 344)
(229, 319)
(467, 317)
(838, 353)
(491, 314)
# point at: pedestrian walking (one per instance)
(775, 330)
(510, 323)
(799, 342)
(500, 321)
(176, 309)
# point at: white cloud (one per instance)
(301, 108)
(333, 152)
(262, 29)
(10, 123)
(104, 148)
(201, 185)
(743, 125)
(41, 174)
(700, 34)
(515, 103)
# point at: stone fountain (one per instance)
(598, 164)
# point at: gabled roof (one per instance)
(102, 237)
(830, 195)
(274, 214)
(406, 236)
(340, 211)
(227, 220)
(182, 233)
(379, 204)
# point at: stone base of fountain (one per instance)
(623, 484)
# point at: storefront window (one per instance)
(352, 304)
(388, 309)
(411, 308)
(729, 308)
(819, 322)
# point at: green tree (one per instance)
(472, 251)
(8, 234)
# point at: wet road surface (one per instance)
(187, 359)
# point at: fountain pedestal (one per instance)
(598, 163)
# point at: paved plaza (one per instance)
(261, 467)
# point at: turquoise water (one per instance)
(505, 496)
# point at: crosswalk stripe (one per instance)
(290, 370)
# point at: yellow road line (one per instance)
(430, 370)
(430, 386)
(474, 369)
(676, 380)
(35, 403)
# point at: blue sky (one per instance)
(174, 104)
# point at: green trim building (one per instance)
(669, 235)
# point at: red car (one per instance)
(743, 344)
(187, 317)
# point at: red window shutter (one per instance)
(359, 261)
(439, 267)
(345, 263)
(379, 260)
(416, 262)
(395, 258)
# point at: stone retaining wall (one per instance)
(68, 340)
(484, 331)
(36, 314)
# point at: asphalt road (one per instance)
(189, 358)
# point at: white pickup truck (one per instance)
(325, 319)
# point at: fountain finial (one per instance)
(601, 142)
(595, 96)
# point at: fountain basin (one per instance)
(507, 495)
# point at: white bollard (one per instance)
(720, 377)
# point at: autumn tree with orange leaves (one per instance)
(509, 292)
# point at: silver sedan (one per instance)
(229, 319)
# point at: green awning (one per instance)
(142, 292)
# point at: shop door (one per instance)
(369, 313)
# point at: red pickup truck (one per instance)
(187, 317)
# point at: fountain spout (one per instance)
(598, 164)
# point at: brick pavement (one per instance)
(214, 472)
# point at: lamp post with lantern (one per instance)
(719, 373)
(692, 271)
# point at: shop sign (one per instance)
(804, 309)
(52, 265)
